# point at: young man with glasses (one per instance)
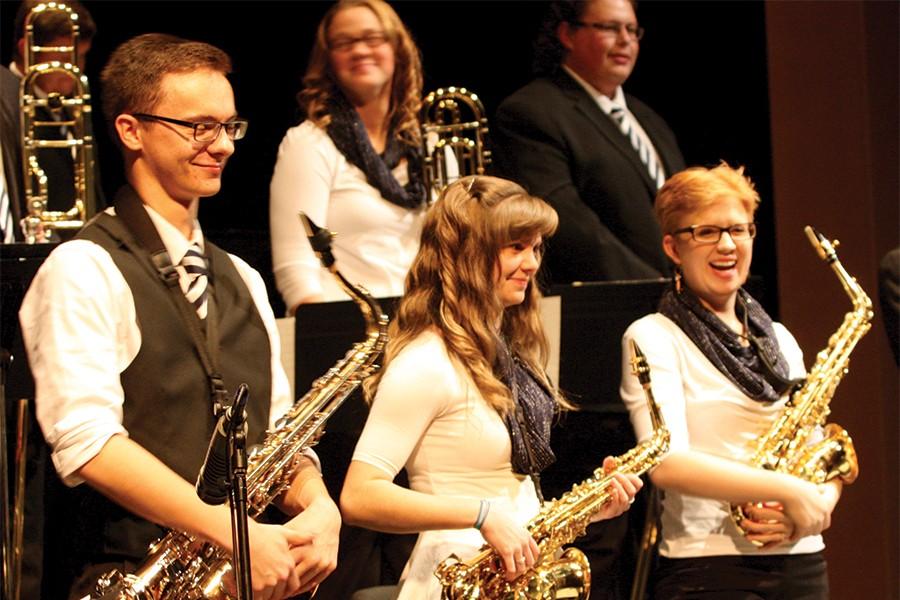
(127, 367)
(596, 154)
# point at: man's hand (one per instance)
(316, 557)
(271, 561)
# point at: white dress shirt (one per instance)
(81, 332)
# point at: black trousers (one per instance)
(769, 577)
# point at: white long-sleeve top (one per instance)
(703, 411)
(81, 332)
(376, 240)
(429, 416)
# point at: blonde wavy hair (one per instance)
(319, 85)
(451, 283)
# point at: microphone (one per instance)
(213, 480)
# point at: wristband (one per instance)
(483, 510)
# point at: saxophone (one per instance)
(786, 447)
(559, 522)
(182, 567)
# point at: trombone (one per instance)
(72, 112)
(454, 136)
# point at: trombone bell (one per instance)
(453, 124)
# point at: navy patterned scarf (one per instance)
(349, 135)
(532, 415)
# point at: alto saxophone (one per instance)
(787, 446)
(182, 567)
(558, 523)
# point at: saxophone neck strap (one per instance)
(131, 212)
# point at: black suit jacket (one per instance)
(552, 137)
(10, 138)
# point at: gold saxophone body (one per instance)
(558, 523)
(787, 446)
(180, 566)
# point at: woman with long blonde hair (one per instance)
(463, 402)
(354, 163)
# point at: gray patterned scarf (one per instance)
(759, 370)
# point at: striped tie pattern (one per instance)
(194, 264)
(7, 227)
(647, 157)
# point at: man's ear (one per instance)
(127, 127)
(564, 33)
(671, 249)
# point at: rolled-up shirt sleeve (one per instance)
(80, 332)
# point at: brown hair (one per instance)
(131, 79)
(319, 85)
(450, 285)
(696, 188)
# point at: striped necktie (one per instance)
(7, 227)
(647, 157)
(195, 265)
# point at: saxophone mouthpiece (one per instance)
(639, 364)
(821, 244)
(319, 239)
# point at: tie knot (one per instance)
(194, 262)
(195, 265)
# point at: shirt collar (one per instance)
(603, 101)
(176, 244)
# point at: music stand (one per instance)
(18, 265)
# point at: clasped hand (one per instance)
(294, 558)
(807, 512)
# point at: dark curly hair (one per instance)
(548, 51)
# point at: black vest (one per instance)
(167, 407)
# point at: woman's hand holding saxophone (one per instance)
(511, 541)
(622, 491)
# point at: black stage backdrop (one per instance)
(702, 66)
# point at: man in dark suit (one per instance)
(10, 143)
(598, 155)
(889, 296)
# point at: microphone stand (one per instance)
(237, 479)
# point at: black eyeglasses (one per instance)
(711, 234)
(205, 131)
(372, 39)
(612, 28)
